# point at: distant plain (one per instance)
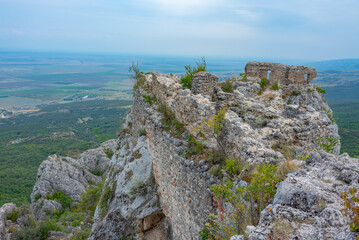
(67, 103)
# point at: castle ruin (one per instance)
(281, 73)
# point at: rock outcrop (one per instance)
(154, 190)
(307, 203)
(69, 176)
(256, 127)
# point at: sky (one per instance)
(290, 29)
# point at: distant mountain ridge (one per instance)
(343, 64)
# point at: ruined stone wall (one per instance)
(281, 73)
(165, 86)
(204, 83)
(183, 188)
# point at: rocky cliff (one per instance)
(158, 182)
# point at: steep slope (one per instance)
(159, 181)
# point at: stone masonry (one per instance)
(281, 73)
(204, 83)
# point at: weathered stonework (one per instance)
(204, 83)
(165, 86)
(281, 73)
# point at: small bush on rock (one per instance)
(227, 86)
(320, 90)
(275, 87)
(351, 208)
(247, 201)
(328, 144)
(66, 201)
(137, 76)
(186, 79)
(142, 132)
(169, 121)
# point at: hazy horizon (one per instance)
(310, 30)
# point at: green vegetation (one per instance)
(351, 208)
(63, 129)
(275, 86)
(227, 86)
(169, 122)
(148, 99)
(66, 201)
(260, 189)
(328, 144)
(346, 116)
(320, 90)
(137, 76)
(129, 174)
(186, 79)
(90, 199)
(263, 84)
(36, 233)
(194, 147)
(296, 93)
(108, 195)
(212, 127)
(109, 153)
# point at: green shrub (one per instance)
(37, 196)
(124, 131)
(296, 93)
(76, 223)
(109, 153)
(194, 147)
(328, 144)
(257, 193)
(90, 199)
(217, 157)
(128, 174)
(309, 90)
(148, 99)
(227, 86)
(212, 127)
(108, 195)
(142, 132)
(81, 234)
(320, 90)
(13, 215)
(97, 172)
(137, 155)
(137, 76)
(351, 208)
(66, 201)
(26, 234)
(243, 75)
(186, 79)
(48, 226)
(68, 216)
(275, 86)
(39, 233)
(169, 122)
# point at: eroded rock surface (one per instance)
(308, 201)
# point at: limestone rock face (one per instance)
(308, 201)
(4, 210)
(68, 175)
(133, 210)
